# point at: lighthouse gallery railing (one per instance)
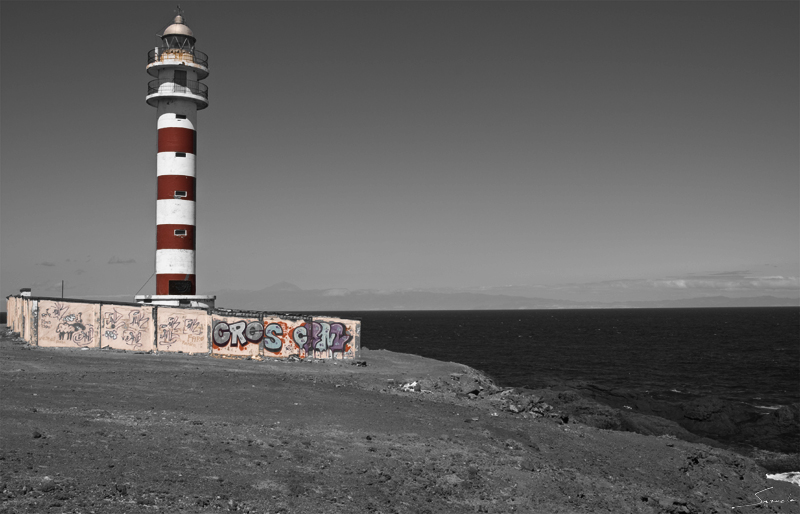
(167, 86)
(172, 54)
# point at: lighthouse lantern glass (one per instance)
(179, 43)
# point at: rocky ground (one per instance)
(109, 432)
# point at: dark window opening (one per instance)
(180, 232)
(180, 194)
(180, 116)
(180, 78)
(180, 154)
(180, 287)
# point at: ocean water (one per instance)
(749, 355)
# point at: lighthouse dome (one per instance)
(178, 28)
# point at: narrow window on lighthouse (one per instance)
(180, 194)
(180, 78)
(180, 154)
(180, 232)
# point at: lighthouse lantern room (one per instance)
(177, 94)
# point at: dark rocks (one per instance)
(707, 419)
(470, 386)
(653, 425)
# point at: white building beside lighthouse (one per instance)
(177, 94)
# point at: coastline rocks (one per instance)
(707, 417)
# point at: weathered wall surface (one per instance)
(12, 315)
(331, 336)
(284, 336)
(127, 328)
(236, 335)
(72, 323)
(27, 313)
(68, 324)
(182, 330)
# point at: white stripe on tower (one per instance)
(169, 164)
(175, 261)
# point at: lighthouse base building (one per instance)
(177, 94)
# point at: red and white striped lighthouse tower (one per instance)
(177, 94)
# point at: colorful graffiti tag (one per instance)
(329, 336)
(283, 337)
(236, 336)
(280, 334)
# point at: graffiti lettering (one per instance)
(138, 320)
(271, 341)
(328, 338)
(110, 334)
(132, 338)
(84, 335)
(110, 320)
(57, 312)
(221, 333)
(169, 332)
(239, 333)
(192, 326)
(254, 331)
(300, 336)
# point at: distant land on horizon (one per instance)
(285, 296)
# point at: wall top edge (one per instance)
(217, 311)
(77, 300)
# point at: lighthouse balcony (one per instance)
(160, 58)
(170, 88)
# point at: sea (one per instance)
(749, 355)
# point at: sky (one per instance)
(642, 150)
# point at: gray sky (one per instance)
(566, 147)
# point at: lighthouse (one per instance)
(177, 93)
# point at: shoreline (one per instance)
(121, 432)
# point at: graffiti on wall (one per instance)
(66, 324)
(127, 328)
(236, 336)
(280, 334)
(320, 338)
(327, 337)
(182, 330)
(174, 329)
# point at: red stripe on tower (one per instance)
(177, 187)
(176, 139)
(175, 237)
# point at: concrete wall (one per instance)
(28, 311)
(284, 336)
(128, 328)
(70, 323)
(67, 324)
(237, 335)
(11, 313)
(182, 330)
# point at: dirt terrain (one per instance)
(111, 432)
